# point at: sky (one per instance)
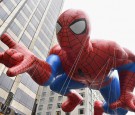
(110, 19)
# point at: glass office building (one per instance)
(31, 23)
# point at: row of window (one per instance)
(24, 99)
(50, 106)
(22, 18)
(30, 28)
(59, 97)
(27, 81)
(51, 99)
(10, 6)
(81, 111)
(35, 20)
(3, 14)
(48, 27)
(49, 113)
(51, 93)
(5, 82)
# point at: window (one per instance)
(9, 4)
(26, 11)
(46, 31)
(30, 4)
(67, 113)
(38, 14)
(28, 82)
(52, 93)
(25, 40)
(49, 15)
(81, 111)
(5, 82)
(39, 113)
(48, 113)
(49, 106)
(43, 94)
(36, 53)
(58, 112)
(82, 94)
(17, 1)
(51, 99)
(44, 39)
(3, 14)
(82, 103)
(24, 99)
(82, 89)
(41, 8)
(59, 98)
(42, 100)
(49, 24)
(21, 19)
(34, 21)
(40, 46)
(40, 107)
(30, 30)
(58, 105)
(15, 29)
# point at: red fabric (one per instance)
(84, 60)
(73, 100)
(19, 59)
(127, 83)
(97, 58)
(98, 108)
(127, 98)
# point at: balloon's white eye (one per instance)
(78, 26)
(58, 28)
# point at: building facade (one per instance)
(31, 23)
(50, 102)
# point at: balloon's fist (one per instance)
(11, 57)
(17, 58)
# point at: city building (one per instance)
(50, 102)
(31, 23)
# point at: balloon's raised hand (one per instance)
(17, 58)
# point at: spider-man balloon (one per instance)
(78, 62)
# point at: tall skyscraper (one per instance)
(31, 23)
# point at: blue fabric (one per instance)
(111, 93)
(56, 67)
(63, 84)
(59, 82)
(129, 67)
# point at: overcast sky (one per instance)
(110, 19)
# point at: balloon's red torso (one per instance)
(91, 68)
